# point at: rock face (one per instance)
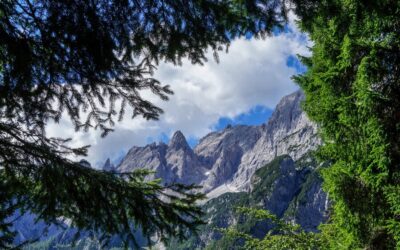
(231, 156)
(266, 165)
(108, 166)
(223, 152)
(175, 162)
(311, 206)
(283, 189)
(288, 189)
(288, 131)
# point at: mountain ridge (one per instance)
(232, 155)
(226, 163)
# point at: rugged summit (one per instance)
(289, 189)
(175, 162)
(288, 131)
(108, 166)
(178, 142)
(231, 156)
(268, 165)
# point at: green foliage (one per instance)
(80, 54)
(89, 60)
(224, 221)
(7, 208)
(111, 203)
(281, 236)
(265, 177)
(217, 212)
(74, 56)
(352, 92)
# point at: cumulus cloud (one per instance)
(253, 73)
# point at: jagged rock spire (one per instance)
(178, 141)
(234, 154)
(108, 166)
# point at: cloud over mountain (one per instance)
(254, 72)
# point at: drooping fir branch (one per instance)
(86, 55)
(52, 186)
(91, 60)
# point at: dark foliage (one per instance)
(352, 90)
(91, 60)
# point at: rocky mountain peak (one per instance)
(266, 160)
(108, 166)
(232, 155)
(178, 141)
(287, 112)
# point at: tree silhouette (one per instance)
(90, 59)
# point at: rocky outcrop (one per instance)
(289, 189)
(240, 166)
(311, 206)
(223, 151)
(231, 156)
(108, 166)
(183, 162)
(175, 162)
(288, 131)
(284, 184)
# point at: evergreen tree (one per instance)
(281, 236)
(90, 59)
(352, 89)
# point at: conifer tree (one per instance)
(352, 89)
(90, 60)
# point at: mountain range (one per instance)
(231, 156)
(271, 165)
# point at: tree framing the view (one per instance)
(90, 60)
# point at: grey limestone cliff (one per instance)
(240, 165)
(231, 156)
(288, 131)
(175, 162)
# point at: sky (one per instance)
(243, 88)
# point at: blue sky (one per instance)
(293, 62)
(243, 88)
(256, 115)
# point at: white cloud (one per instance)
(254, 72)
